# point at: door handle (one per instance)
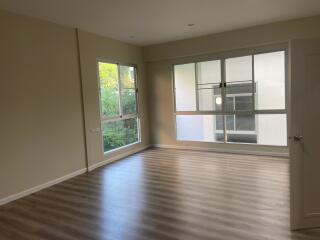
(296, 138)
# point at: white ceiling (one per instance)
(158, 21)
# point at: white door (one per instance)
(305, 133)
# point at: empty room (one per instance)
(149, 120)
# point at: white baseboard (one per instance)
(40, 187)
(223, 150)
(68, 176)
(118, 157)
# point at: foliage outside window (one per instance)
(118, 103)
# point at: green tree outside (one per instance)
(121, 132)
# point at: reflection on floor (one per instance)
(162, 194)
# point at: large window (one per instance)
(118, 104)
(239, 100)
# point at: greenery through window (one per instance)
(118, 103)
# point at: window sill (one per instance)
(126, 147)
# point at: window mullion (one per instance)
(234, 112)
(136, 92)
(253, 85)
(196, 85)
(120, 91)
(106, 120)
(223, 95)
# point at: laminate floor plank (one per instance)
(162, 194)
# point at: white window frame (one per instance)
(222, 57)
(121, 116)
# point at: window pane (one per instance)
(128, 94)
(206, 99)
(239, 97)
(229, 104)
(245, 122)
(109, 89)
(230, 122)
(239, 69)
(209, 72)
(272, 129)
(185, 87)
(119, 133)
(243, 103)
(219, 122)
(128, 98)
(269, 71)
(210, 99)
(127, 77)
(198, 128)
(243, 130)
(239, 83)
(239, 88)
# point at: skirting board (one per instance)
(118, 157)
(40, 187)
(223, 150)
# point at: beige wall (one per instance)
(92, 48)
(242, 38)
(41, 128)
(42, 134)
(159, 72)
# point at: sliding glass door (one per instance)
(232, 100)
(118, 104)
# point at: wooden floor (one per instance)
(162, 194)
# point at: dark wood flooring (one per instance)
(162, 194)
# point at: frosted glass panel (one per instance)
(185, 87)
(264, 129)
(271, 129)
(200, 128)
(269, 71)
(239, 69)
(209, 92)
(239, 83)
(209, 72)
(210, 99)
(206, 99)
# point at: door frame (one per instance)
(298, 220)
